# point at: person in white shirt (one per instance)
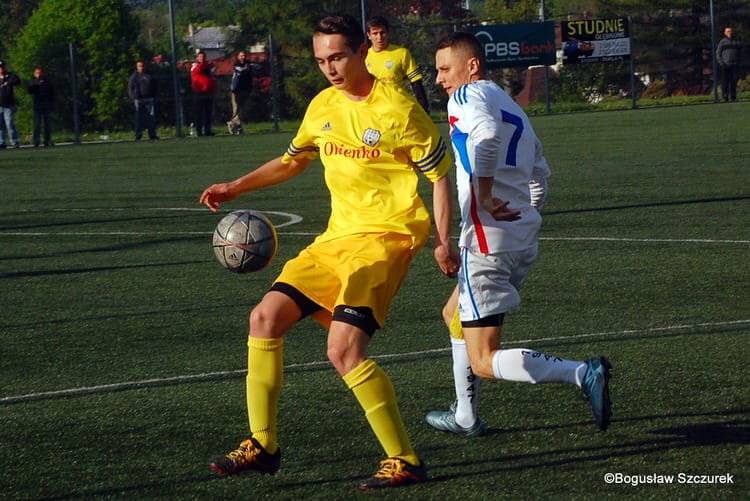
(501, 177)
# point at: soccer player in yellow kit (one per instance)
(372, 139)
(393, 63)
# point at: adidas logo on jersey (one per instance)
(326, 127)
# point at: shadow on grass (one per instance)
(109, 248)
(712, 433)
(708, 434)
(161, 216)
(96, 269)
(646, 205)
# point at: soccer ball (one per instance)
(245, 241)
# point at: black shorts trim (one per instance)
(358, 316)
(491, 321)
(306, 305)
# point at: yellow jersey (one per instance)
(371, 151)
(393, 64)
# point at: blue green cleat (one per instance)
(595, 388)
(446, 421)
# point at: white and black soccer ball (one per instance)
(245, 241)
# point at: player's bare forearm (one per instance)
(270, 173)
(442, 208)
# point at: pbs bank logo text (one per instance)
(512, 49)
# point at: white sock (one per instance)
(528, 366)
(466, 383)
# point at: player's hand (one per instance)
(499, 210)
(447, 259)
(216, 194)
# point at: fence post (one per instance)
(76, 127)
(274, 85)
(714, 83)
(175, 85)
(633, 97)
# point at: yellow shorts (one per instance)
(359, 270)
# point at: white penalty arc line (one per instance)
(206, 376)
(291, 220)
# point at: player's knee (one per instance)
(263, 323)
(343, 359)
(335, 354)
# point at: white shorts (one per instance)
(488, 284)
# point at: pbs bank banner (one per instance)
(509, 45)
(595, 40)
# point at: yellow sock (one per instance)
(265, 369)
(374, 392)
(455, 327)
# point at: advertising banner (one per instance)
(595, 40)
(511, 45)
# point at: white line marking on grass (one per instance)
(647, 240)
(294, 220)
(206, 376)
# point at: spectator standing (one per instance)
(393, 63)
(204, 87)
(728, 53)
(239, 90)
(8, 80)
(142, 90)
(43, 95)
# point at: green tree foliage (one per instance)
(520, 11)
(104, 34)
(290, 25)
(13, 16)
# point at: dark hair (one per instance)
(378, 22)
(465, 41)
(342, 24)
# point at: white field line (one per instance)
(129, 385)
(313, 234)
(296, 219)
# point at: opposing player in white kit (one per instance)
(502, 183)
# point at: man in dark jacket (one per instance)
(8, 80)
(728, 56)
(43, 94)
(142, 90)
(239, 90)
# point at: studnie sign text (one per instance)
(595, 40)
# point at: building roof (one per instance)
(210, 37)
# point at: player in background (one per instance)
(393, 63)
(372, 139)
(501, 178)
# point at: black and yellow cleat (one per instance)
(250, 455)
(394, 472)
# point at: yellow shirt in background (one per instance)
(393, 64)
